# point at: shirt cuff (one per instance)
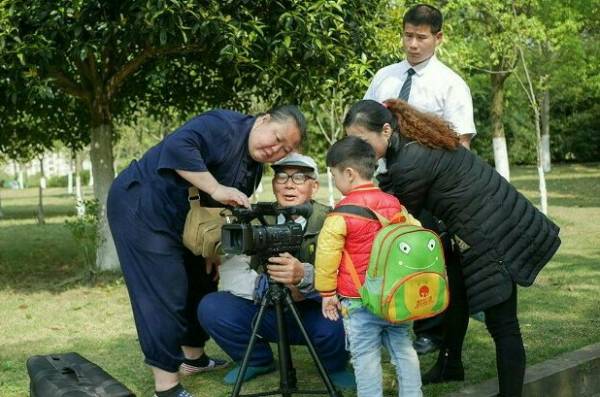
(307, 283)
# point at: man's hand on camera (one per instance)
(230, 196)
(285, 269)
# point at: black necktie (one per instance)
(405, 90)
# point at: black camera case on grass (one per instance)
(71, 375)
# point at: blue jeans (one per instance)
(365, 334)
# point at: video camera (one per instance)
(264, 240)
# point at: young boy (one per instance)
(345, 241)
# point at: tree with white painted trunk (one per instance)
(328, 116)
(332, 101)
(545, 125)
(492, 32)
(534, 103)
(498, 77)
(41, 187)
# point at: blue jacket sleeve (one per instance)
(200, 143)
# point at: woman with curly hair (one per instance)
(502, 239)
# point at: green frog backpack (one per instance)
(406, 278)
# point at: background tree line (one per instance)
(97, 74)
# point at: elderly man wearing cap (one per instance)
(227, 315)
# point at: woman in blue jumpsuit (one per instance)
(220, 152)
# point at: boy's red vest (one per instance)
(361, 232)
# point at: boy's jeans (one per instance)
(365, 333)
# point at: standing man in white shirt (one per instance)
(430, 86)
(426, 83)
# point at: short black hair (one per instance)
(355, 153)
(424, 14)
(287, 113)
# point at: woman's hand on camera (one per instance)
(285, 269)
(230, 196)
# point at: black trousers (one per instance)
(433, 327)
(502, 324)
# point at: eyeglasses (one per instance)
(297, 177)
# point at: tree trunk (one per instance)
(70, 174)
(101, 155)
(78, 194)
(496, 113)
(330, 188)
(545, 120)
(42, 186)
(1, 213)
(21, 177)
(91, 178)
(540, 159)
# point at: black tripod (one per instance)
(280, 296)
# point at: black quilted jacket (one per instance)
(502, 237)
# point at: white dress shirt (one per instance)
(435, 89)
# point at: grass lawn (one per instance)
(40, 313)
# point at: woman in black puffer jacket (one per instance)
(504, 241)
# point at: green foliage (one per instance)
(85, 231)
(575, 132)
(65, 66)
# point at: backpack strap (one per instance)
(353, 272)
(363, 212)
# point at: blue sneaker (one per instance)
(343, 380)
(251, 373)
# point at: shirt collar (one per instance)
(420, 68)
(381, 167)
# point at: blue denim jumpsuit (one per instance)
(147, 205)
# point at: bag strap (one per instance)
(363, 212)
(353, 272)
(194, 196)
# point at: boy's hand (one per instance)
(330, 307)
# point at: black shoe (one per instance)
(444, 371)
(425, 344)
(205, 364)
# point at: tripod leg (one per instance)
(244, 367)
(287, 373)
(311, 348)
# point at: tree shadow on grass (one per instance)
(46, 257)
(29, 211)
(567, 191)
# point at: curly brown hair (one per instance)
(427, 129)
